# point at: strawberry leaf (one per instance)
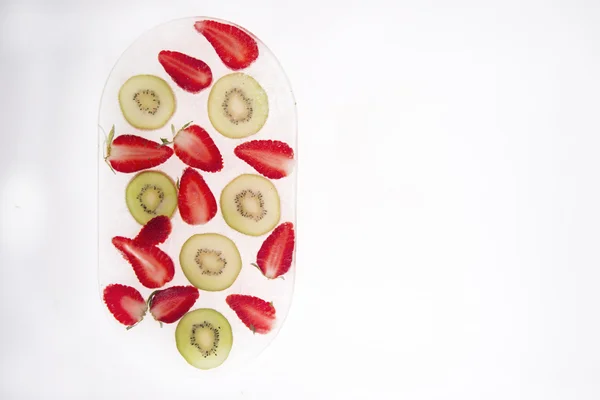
(186, 125)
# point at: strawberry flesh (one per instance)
(257, 314)
(169, 305)
(152, 266)
(131, 153)
(197, 204)
(189, 73)
(156, 231)
(275, 255)
(125, 303)
(195, 147)
(271, 158)
(234, 47)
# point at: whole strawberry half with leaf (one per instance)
(131, 153)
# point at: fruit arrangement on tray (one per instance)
(250, 203)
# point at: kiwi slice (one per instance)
(149, 194)
(147, 101)
(204, 338)
(250, 204)
(210, 261)
(237, 106)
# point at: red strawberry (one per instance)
(168, 305)
(152, 266)
(130, 153)
(125, 303)
(271, 158)
(255, 313)
(156, 231)
(191, 74)
(195, 147)
(234, 47)
(275, 255)
(196, 203)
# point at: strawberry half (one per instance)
(125, 303)
(152, 266)
(197, 204)
(169, 305)
(271, 158)
(156, 231)
(234, 47)
(255, 313)
(189, 73)
(194, 146)
(130, 153)
(275, 255)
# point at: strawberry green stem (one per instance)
(109, 140)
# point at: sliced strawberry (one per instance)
(168, 305)
(156, 231)
(130, 153)
(271, 158)
(234, 47)
(125, 303)
(195, 147)
(189, 73)
(197, 204)
(152, 266)
(255, 313)
(275, 255)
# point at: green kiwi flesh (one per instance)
(250, 204)
(210, 261)
(204, 338)
(147, 101)
(238, 106)
(150, 194)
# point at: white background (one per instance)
(448, 209)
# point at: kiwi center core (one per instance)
(237, 107)
(250, 204)
(210, 262)
(205, 338)
(147, 101)
(150, 198)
